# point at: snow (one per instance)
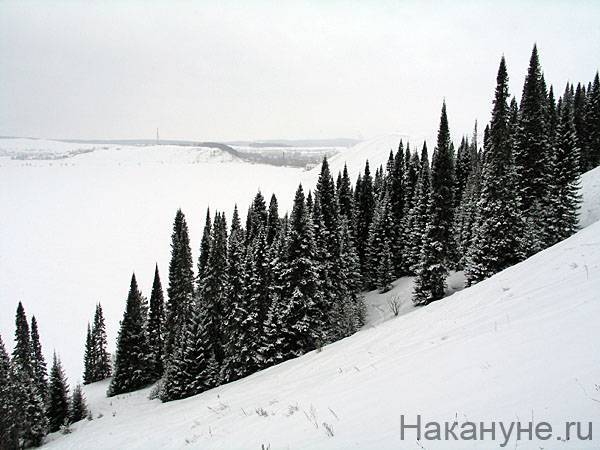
(376, 150)
(518, 346)
(590, 193)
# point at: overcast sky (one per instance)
(270, 69)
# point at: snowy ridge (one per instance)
(376, 150)
(23, 151)
(490, 352)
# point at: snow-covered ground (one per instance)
(520, 346)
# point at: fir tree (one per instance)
(156, 330)
(204, 248)
(496, 244)
(78, 408)
(181, 283)
(273, 222)
(532, 157)
(365, 205)
(40, 372)
(212, 304)
(88, 358)
(102, 365)
(8, 413)
(131, 363)
(417, 217)
(580, 125)
(302, 314)
(345, 197)
(564, 192)
(58, 396)
(592, 120)
(437, 241)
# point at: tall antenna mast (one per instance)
(157, 139)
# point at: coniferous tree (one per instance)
(302, 314)
(593, 124)
(417, 217)
(181, 283)
(212, 302)
(579, 122)
(396, 190)
(435, 255)
(273, 222)
(365, 205)
(326, 223)
(532, 157)
(8, 413)
(40, 371)
(496, 244)
(58, 397)
(78, 409)
(102, 365)
(345, 196)
(156, 320)
(241, 321)
(88, 358)
(204, 248)
(131, 363)
(564, 192)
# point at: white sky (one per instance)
(268, 69)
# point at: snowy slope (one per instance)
(519, 345)
(376, 150)
(589, 211)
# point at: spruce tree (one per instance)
(181, 283)
(564, 192)
(593, 124)
(78, 409)
(417, 217)
(302, 314)
(532, 157)
(396, 191)
(579, 122)
(88, 358)
(207, 331)
(102, 365)
(496, 244)
(8, 407)
(40, 371)
(131, 363)
(273, 222)
(58, 397)
(204, 248)
(345, 197)
(365, 209)
(434, 259)
(156, 322)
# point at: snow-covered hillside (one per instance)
(491, 352)
(520, 346)
(39, 152)
(376, 150)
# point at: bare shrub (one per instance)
(395, 304)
